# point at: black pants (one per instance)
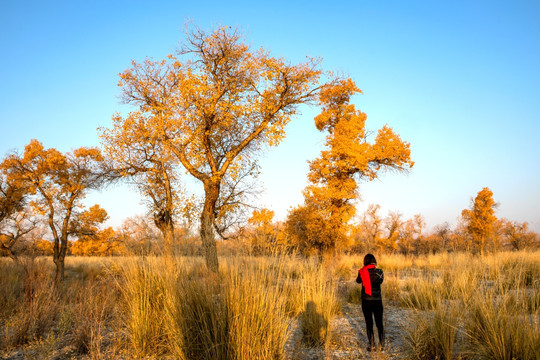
(372, 308)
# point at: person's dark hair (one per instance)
(369, 259)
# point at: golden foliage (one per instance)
(59, 182)
(221, 100)
(12, 196)
(89, 220)
(265, 235)
(261, 218)
(104, 242)
(43, 247)
(480, 219)
(214, 106)
(333, 176)
(137, 151)
(93, 241)
(15, 219)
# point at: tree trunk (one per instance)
(164, 222)
(207, 226)
(168, 230)
(169, 238)
(320, 257)
(482, 245)
(59, 274)
(9, 249)
(59, 257)
(58, 261)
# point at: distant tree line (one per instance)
(477, 231)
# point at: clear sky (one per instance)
(459, 80)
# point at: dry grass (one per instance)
(433, 335)
(475, 307)
(89, 319)
(493, 333)
(464, 306)
(33, 305)
(180, 309)
(318, 295)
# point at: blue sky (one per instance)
(459, 80)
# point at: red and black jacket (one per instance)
(376, 277)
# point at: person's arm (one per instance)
(380, 276)
(359, 278)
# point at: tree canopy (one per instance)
(349, 157)
(60, 182)
(480, 219)
(215, 105)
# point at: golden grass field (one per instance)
(444, 306)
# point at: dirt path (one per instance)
(348, 337)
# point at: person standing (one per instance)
(371, 279)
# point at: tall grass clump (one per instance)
(181, 310)
(11, 287)
(143, 291)
(92, 308)
(353, 294)
(319, 301)
(432, 335)
(11, 292)
(421, 294)
(258, 322)
(196, 318)
(499, 297)
(37, 305)
(460, 283)
(503, 333)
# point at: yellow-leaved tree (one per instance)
(136, 149)
(480, 218)
(16, 221)
(322, 221)
(93, 241)
(215, 105)
(60, 183)
(264, 233)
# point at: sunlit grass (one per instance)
(462, 306)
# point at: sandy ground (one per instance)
(347, 340)
(348, 337)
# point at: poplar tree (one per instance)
(349, 157)
(480, 218)
(215, 105)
